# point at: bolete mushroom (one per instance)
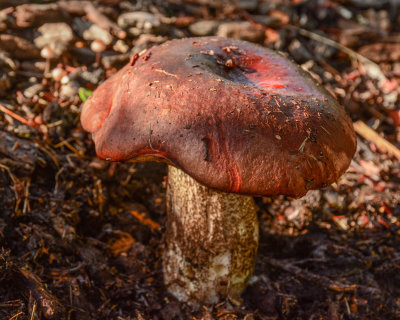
(232, 120)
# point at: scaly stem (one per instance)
(211, 241)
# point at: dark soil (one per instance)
(81, 238)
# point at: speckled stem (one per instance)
(211, 241)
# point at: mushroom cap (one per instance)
(98, 46)
(47, 52)
(235, 116)
(58, 73)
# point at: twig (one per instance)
(17, 117)
(321, 280)
(56, 179)
(367, 133)
(145, 221)
(373, 70)
(15, 316)
(33, 310)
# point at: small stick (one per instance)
(374, 71)
(17, 117)
(146, 221)
(15, 316)
(367, 133)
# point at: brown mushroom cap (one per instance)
(47, 52)
(235, 116)
(98, 46)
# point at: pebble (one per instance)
(32, 90)
(70, 89)
(90, 31)
(240, 30)
(249, 5)
(121, 47)
(334, 199)
(142, 20)
(94, 76)
(203, 28)
(147, 40)
(56, 35)
(5, 60)
(265, 20)
(390, 99)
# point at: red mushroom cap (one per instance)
(235, 116)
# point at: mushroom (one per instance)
(48, 54)
(233, 120)
(98, 46)
(57, 74)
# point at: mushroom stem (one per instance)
(211, 241)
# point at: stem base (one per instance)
(211, 241)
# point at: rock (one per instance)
(240, 30)
(334, 199)
(115, 61)
(56, 35)
(249, 5)
(28, 15)
(32, 90)
(134, 32)
(265, 20)
(94, 76)
(6, 61)
(203, 27)
(19, 48)
(70, 89)
(90, 31)
(145, 21)
(145, 41)
(312, 199)
(121, 47)
(390, 99)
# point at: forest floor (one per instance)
(82, 238)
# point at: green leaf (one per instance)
(84, 93)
